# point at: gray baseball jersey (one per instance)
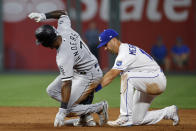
(73, 54)
(75, 63)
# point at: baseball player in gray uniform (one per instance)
(79, 71)
(141, 81)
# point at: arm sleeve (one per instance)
(65, 65)
(124, 58)
(64, 23)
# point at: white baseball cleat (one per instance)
(86, 120)
(91, 123)
(103, 114)
(70, 122)
(121, 121)
(174, 115)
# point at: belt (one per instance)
(84, 72)
(145, 70)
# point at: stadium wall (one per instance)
(141, 22)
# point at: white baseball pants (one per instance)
(82, 85)
(136, 96)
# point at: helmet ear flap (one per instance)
(45, 35)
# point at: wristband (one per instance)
(99, 87)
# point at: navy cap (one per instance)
(106, 36)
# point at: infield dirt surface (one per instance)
(41, 119)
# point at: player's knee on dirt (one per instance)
(153, 89)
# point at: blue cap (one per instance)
(106, 36)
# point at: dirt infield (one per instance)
(41, 119)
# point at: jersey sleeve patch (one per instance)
(63, 23)
(119, 63)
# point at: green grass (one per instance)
(30, 90)
(25, 90)
(181, 91)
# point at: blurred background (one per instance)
(166, 29)
(146, 23)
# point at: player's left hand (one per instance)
(60, 117)
(38, 17)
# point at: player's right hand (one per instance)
(60, 117)
(38, 17)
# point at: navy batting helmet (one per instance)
(46, 35)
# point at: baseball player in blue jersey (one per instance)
(79, 71)
(142, 80)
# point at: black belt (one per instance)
(82, 73)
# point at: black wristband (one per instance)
(64, 105)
